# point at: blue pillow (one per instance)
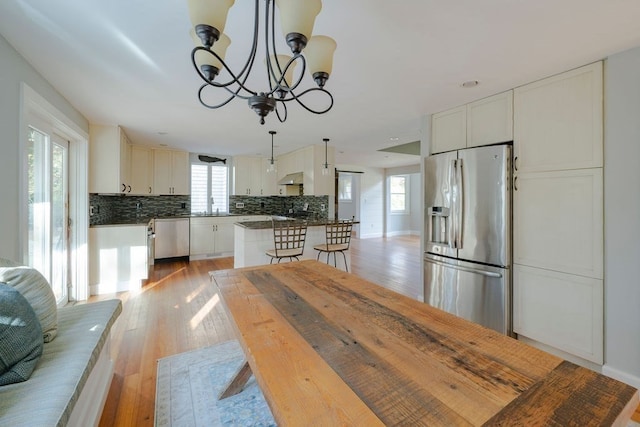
(21, 339)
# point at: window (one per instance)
(209, 188)
(398, 190)
(345, 188)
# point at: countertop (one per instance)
(330, 348)
(260, 225)
(145, 220)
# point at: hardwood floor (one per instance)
(179, 310)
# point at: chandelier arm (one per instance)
(296, 98)
(241, 78)
(225, 85)
(282, 119)
(270, 72)
(213, 107)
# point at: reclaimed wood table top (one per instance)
(330, 348)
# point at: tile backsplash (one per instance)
(279, 205)
(113, 209)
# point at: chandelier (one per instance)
(297, 18)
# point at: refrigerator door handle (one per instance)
(453, 229)
(466, 269)
(459, 202)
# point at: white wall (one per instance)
(371, 200)
(14, 69)
(622, 216)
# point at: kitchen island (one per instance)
(253, 238)
(330, 348)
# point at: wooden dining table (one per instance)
(328, 348)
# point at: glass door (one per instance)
(48, 228)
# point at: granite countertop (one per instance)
(145, 220)
(140, 222)
(259, 225)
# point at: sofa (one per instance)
(71, 379)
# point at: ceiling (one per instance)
(127, 62)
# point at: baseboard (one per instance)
(403, 233)
(619, 375)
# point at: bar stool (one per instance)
(288, 239)
(338, 237)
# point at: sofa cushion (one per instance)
(49, 397)
(36, 289)
(20, 337)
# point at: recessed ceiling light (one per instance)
(394, 138)
(470, 83)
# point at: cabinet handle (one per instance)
(129, 189)
(124, 187)
(515, 183)
(515, 163)
(149, 190)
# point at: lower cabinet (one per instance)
(561, 310)
(211, 236)
(118, 258)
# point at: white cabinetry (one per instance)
(562, 310)
(559, 121)
(250, 177)
(211, 235)
(269, 183)
(449, 130)
(170, 172)
(490, 120)
(558, 221)
(141, 168)
(109, 161)
(118, 259)
(558, 212)
(483, 122)
(247, 176)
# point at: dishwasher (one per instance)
(172, 237)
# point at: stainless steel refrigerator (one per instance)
(467, 260)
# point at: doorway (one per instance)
(348, 197)
(48, 208)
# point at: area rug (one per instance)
(188, 385)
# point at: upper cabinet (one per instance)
(141, 170)
(109, 157)
(490, 120)
(483, 122)
(558, 122)
(170, 172)
(449, 130)
(250, 177)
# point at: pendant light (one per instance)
(272, 165)
(325, 166)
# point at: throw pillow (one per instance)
(36, 289)
(20, 337)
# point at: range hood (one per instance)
(292, 179)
